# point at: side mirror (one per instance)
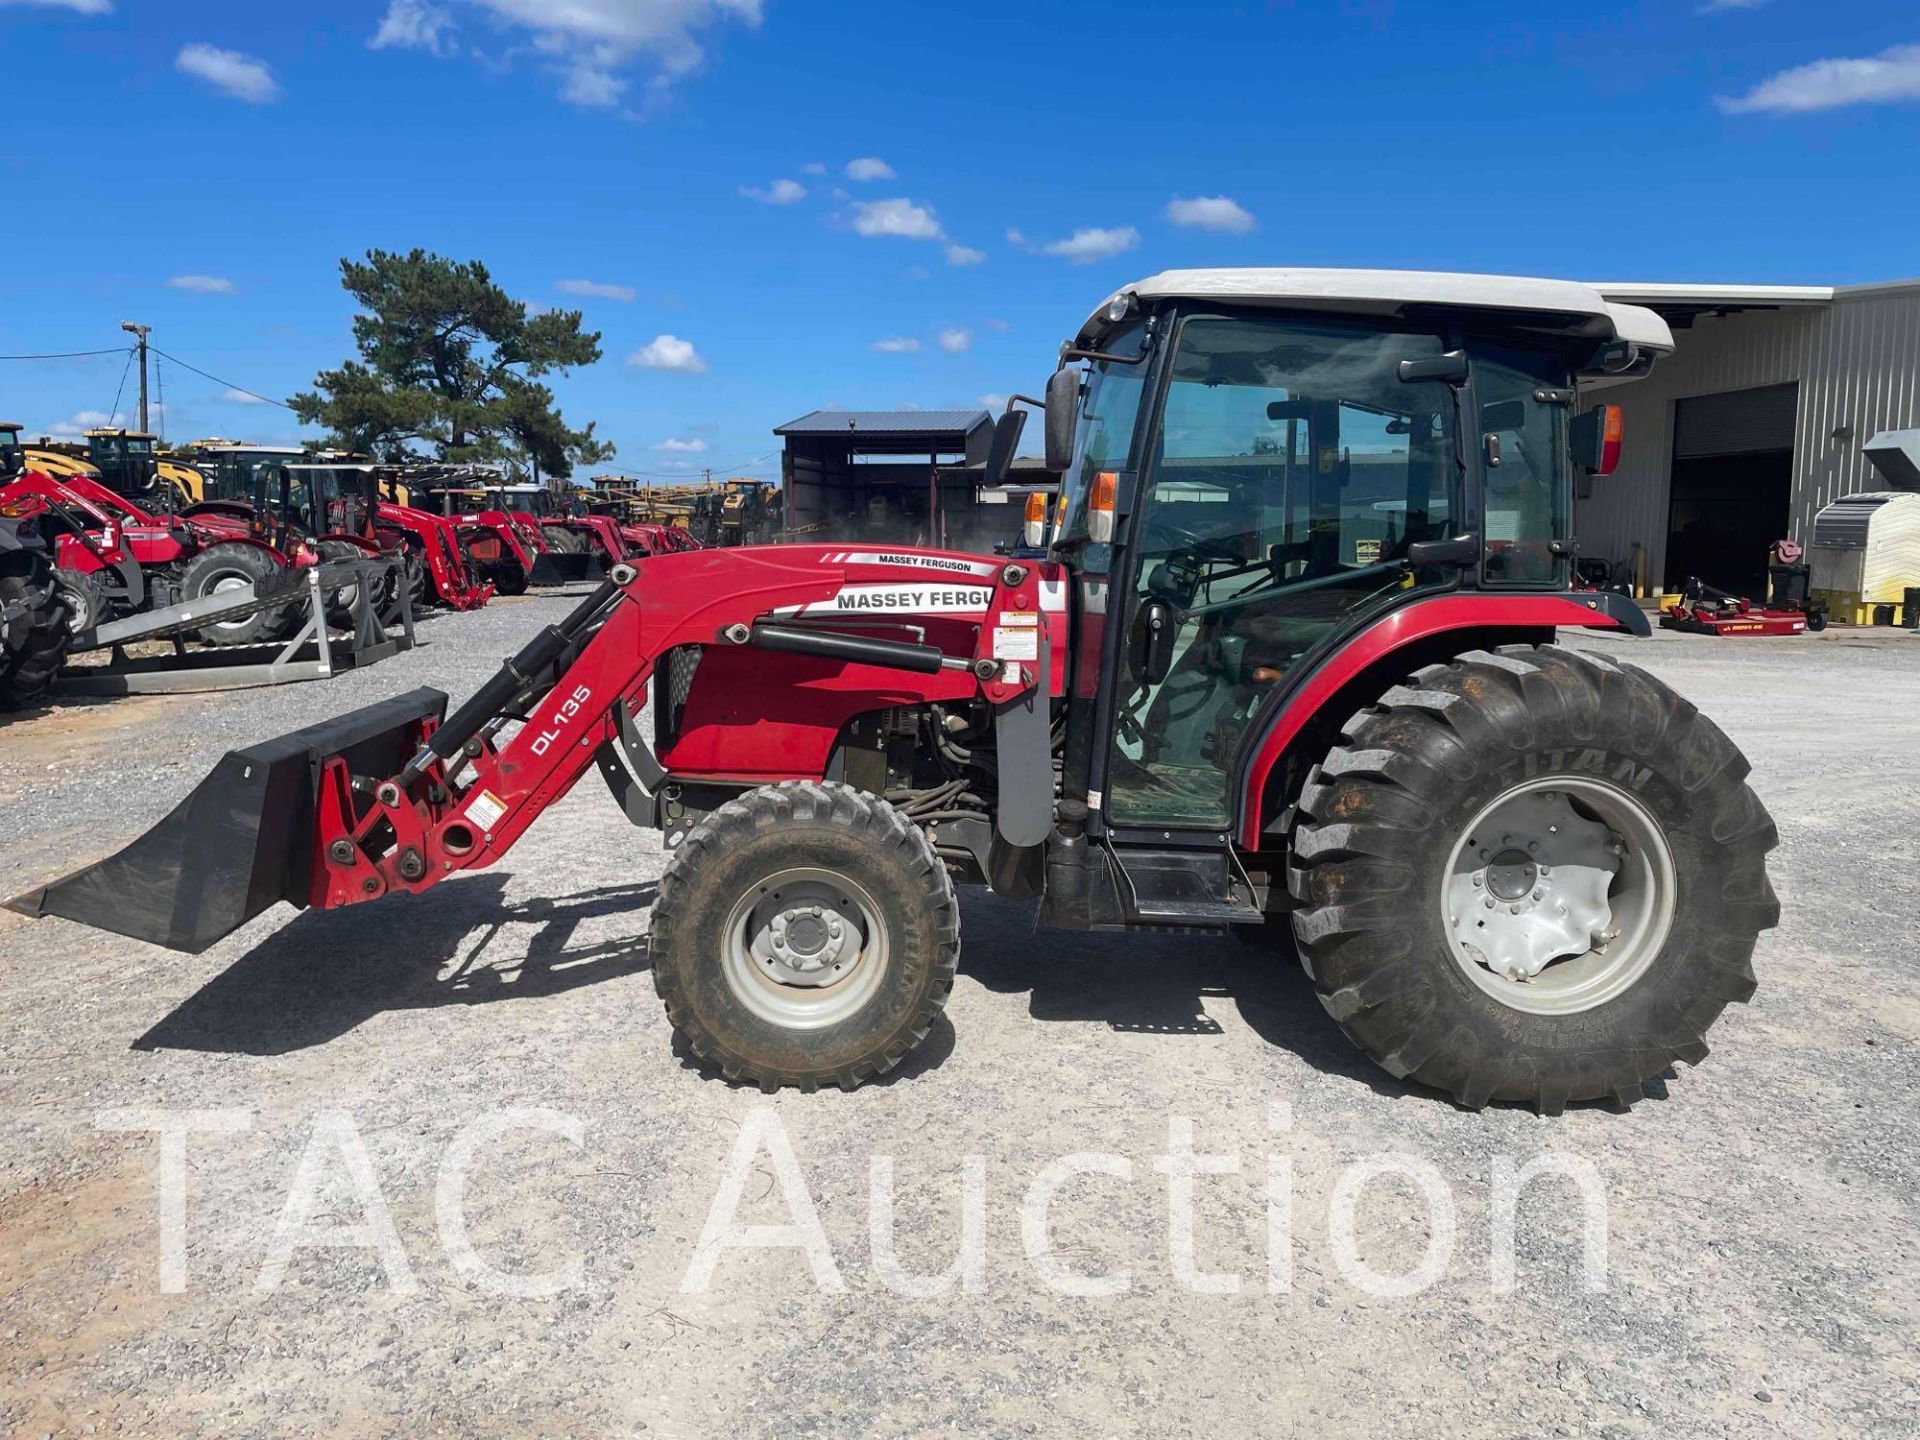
(1154, 632)
(1063, 410)
(1006, 440)
(1595, 439)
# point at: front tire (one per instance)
(1592, 981)
(805, 933)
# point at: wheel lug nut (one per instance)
(1513, 909)
(1533, 845)
(1476, 880)
(1539, 894)
(1486, 854)
(1489, 902)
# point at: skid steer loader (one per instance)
(1290, 664)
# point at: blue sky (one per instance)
(974, 177)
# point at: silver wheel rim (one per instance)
(225, 583)
(1559, 895)
(805, 948)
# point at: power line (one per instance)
(64, 355)
(205, 375)
(113, 411)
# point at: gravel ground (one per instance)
(1761, 1276)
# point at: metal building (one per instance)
(877, 474)
(1757, 421)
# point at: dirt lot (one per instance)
(1761, 1275)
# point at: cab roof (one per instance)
(1393, 292)
(103, 431)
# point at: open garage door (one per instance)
(1732, 480)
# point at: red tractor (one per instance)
(1291, 667)
(113, 557)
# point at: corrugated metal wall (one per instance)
(1857, 363)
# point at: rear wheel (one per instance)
(509, 577)
(35, 641)
(564, 539)
(227, 567)
(805, 933)
(1531, 875)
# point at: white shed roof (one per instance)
(1387, 291)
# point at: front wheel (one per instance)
(805, 933)
(1531, 875)
(229, 567)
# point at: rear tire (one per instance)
(35, 644)
(805, 933)
(228, 565)
(1381, 865)
(563, 539)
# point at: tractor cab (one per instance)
(13, 455)
(124, 458)
(1258, 465)
(234, 472)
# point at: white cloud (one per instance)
(780, 192)
(961, 256)
(414, 25)
(79, 7)
(995, 323)
(240, 397)
(76, 425)
(813, 167)
(1090, 243)
(1016, 237)
(869, 167)
(995, 403)
(595, 290)
(229, 72)
(1829, 84)
(1712, 5)
(897, 345)
(1210, 212)
(668, 352)
(686, 447)
(954, 342)
(201, 284)
(591, 45)
(901, 218)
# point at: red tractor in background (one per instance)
(1291, 667)
(113, 557)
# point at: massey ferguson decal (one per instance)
(928, 599)
(982, 568)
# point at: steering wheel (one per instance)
(1193, 542)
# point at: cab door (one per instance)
(1290, 469)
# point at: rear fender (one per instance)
(1380, 656)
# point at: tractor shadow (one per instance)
(328, 972)
(1157, 984)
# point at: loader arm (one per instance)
(393, 798)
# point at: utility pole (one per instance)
(140, 333)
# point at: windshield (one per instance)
(1109, 402)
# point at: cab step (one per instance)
(1186, 887)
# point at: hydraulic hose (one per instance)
(514, 676)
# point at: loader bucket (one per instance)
(242, 840)
(560, 567)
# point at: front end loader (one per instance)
(1295, 665)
